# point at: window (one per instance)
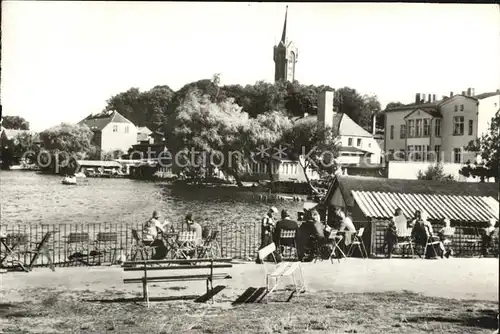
(115, 128)
(458, 126)
(391, 155)
(418, 126)
(410, 152)
(402, 131)
(126, 129)
(427, 127)
(456, 108)
(437, 127)
(437, 150)
(392, 131)
(427, 153)
(461, 107)
(471, 125)
(358, 142)
(457, 155)
(411, 128)
(349, 142)
(265, 168)
(418, 152)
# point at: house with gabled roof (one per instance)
(112, 131)
(358, 147)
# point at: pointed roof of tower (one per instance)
(283, 36)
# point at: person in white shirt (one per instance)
(150, 235)
(346, 223)
(487, 236)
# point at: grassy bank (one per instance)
(64, 311)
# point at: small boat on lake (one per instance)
(69, 180)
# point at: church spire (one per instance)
(283, 36)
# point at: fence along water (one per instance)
(237, 241)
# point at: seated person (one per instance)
(286, 223)
(421, 232)
(487, 237)
(150, 236)
(194, 227)
(310, 232)
(347, 227)
(444, 240)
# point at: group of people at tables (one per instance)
(313, 231)
(154, 233)
(311, 235)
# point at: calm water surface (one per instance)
(31, 198)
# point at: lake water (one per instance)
(31, 198)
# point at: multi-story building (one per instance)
(112, 131)
(489, 105)
(434, 130)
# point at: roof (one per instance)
(376, 204)
(347, 127)
(433, 111)
(348, 184)
(145, 130)
(99, 121)
(433, 105)
(353, 149)
(486, 95)
(97, 163)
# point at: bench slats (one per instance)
(280, 269)
(178, 267)
(177, 278)
(290, 270)
(129, 263)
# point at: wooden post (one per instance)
(145, 284)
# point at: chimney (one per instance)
(469, 91)
(325, 109)
(429, 98)
(417, 98)
(463, 92)
(433, 97)
(423, 98)
(451, 94)
(374, 124)
(473, 92)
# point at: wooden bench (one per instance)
(194, 264)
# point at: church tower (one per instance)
(285, 57)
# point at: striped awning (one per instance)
(459, 208)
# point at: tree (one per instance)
(65, 144)
(487, 147)
(15, 122)
(391, 105)
(435, 172)
(314, 146)
(359, 108)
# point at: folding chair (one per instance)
(290, 236)
(41, 248)
(187, 245)
(12, 243)
(280, 270)
(404, 241)
(78, 245)
(473, 242)
(139, 247)
(210, 247)
(448, 233)
(106, 243)
(335, 241)
(358, 241)
(432, 241)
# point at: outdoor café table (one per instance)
(170, 242)
(335, 241)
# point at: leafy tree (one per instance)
(65, 144)
(314, 146)
(391, 105)
(15, 122)
(359, 108)
(487, 146)
(435, 172)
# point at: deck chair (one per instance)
(288, 235)
(404, 241)
(41, 248)
(357, 241)
(278, 271)
(210, 247)
(139, 247)
(187, 245)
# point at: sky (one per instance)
(62, 60)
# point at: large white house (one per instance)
(438, 130)
(112, 131)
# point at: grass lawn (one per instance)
(59, 310)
